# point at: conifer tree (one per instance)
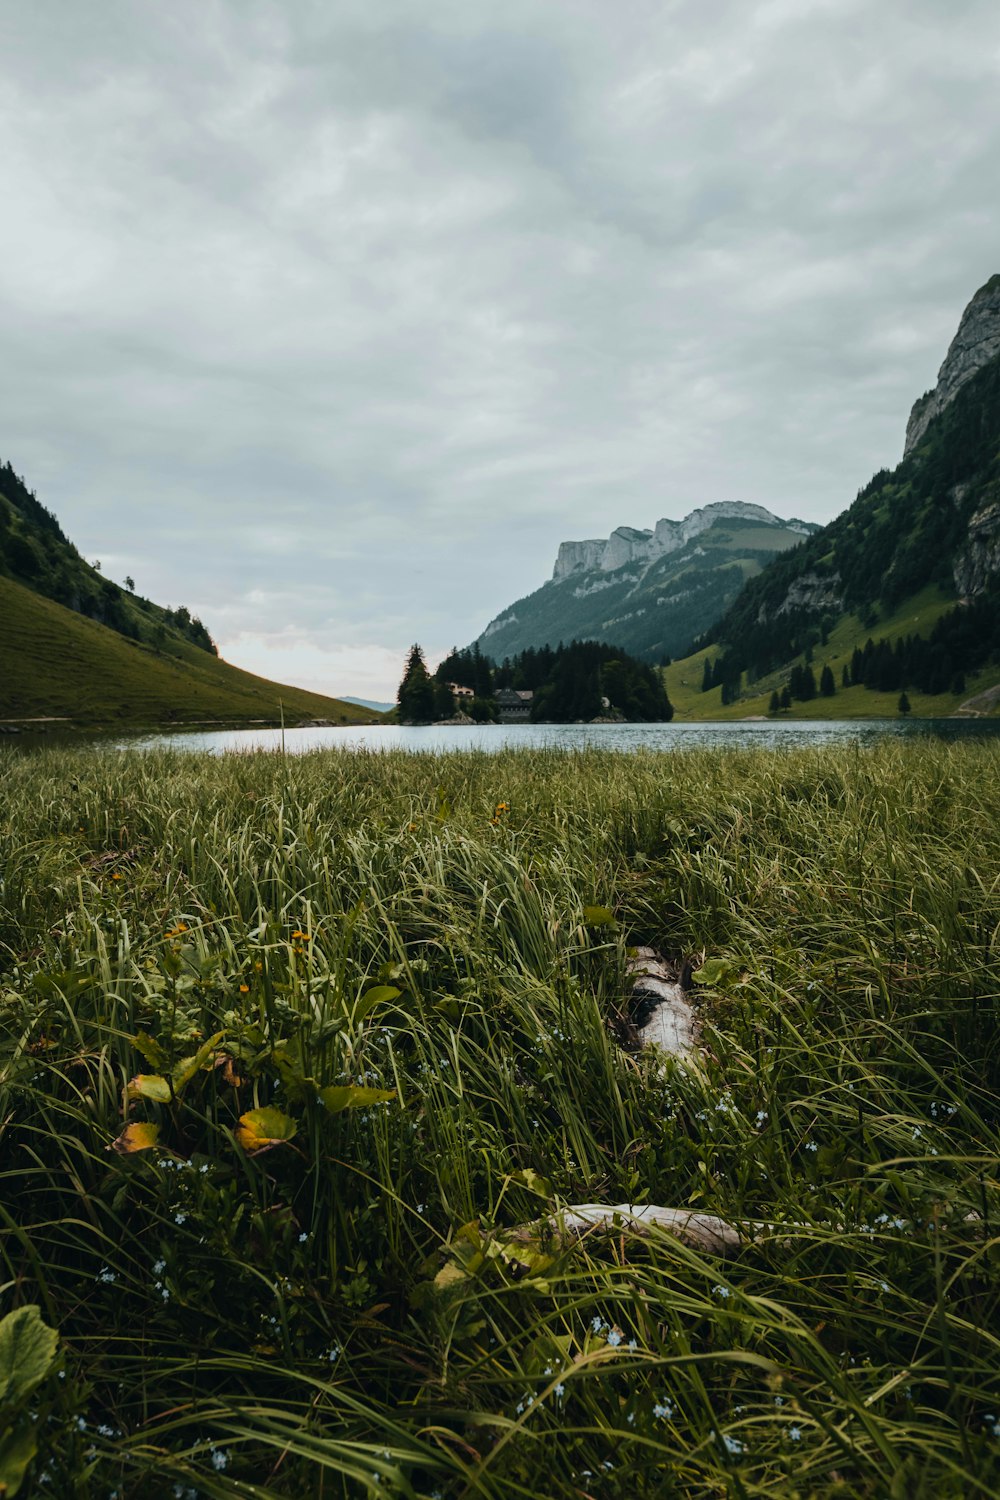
(415, 697)
(904, 704)
(827, 686)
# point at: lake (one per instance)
(760, 734)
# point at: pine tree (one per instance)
(827, 686)
(415, 697)
(845, 676)
(707, 677)
(786, 697)
(904, 704)
(775, 704)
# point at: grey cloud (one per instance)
(341, 316)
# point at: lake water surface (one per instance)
(769, 734)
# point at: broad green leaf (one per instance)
(189, 1066)
(598, 916)
(352, 1096)
(715, 972)
(151, 1050)
(261, 1129)
(18, 1447)
(27, 1353)
(137, 1137)
(380, 995)
(150, 1086)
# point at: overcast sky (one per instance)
(331, 320)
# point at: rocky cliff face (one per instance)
(974, 345)
(629, 545)
(651, 592)
(978, 564)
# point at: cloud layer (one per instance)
(331, 320)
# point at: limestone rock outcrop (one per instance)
(978, 563)
(974, 345)
(628, 544)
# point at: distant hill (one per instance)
(913, 565)
(371, 703)
(649, 591)
(74, 645)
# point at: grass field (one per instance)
(288, 1050)
(57, 663)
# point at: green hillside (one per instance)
(683, 678)
(56, 663)
(902, 589)
(74, 645)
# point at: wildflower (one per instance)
(560, 1390)
(303, 1237)
(219, 1459)
(597, 1324)
(761, 1117)
(105, 1275)
(159, 1266)
(794, 1434)
(303, 935)
(614, 1338)
(663, 1410)
(811, 1146)
(731, 1444)
(180, 1218)
(244, 989)
(116, 876)
(333, 1353)
(721, 1291)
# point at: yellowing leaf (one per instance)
(598, 916)
(448, 1276)
(150, 1086)
(261, 1129)
(137, 1137)
(352, 1096)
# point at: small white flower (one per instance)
(614, 1338)
(720, 1291)
(794, 1434)
(663, 1409)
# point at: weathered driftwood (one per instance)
(703, 1232)
(658, 998)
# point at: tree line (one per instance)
(579, 682)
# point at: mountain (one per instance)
(917, 551)
(372, 703)
(650, 592)
(74, 645)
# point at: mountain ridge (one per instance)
(650, 590)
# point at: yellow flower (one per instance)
(244, 989)
(303, 935)
(116, 876)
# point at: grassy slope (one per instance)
(57, 663)
(914, 617)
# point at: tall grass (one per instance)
(347, 1314)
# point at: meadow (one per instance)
(291, 1049)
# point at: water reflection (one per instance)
(767, 734)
